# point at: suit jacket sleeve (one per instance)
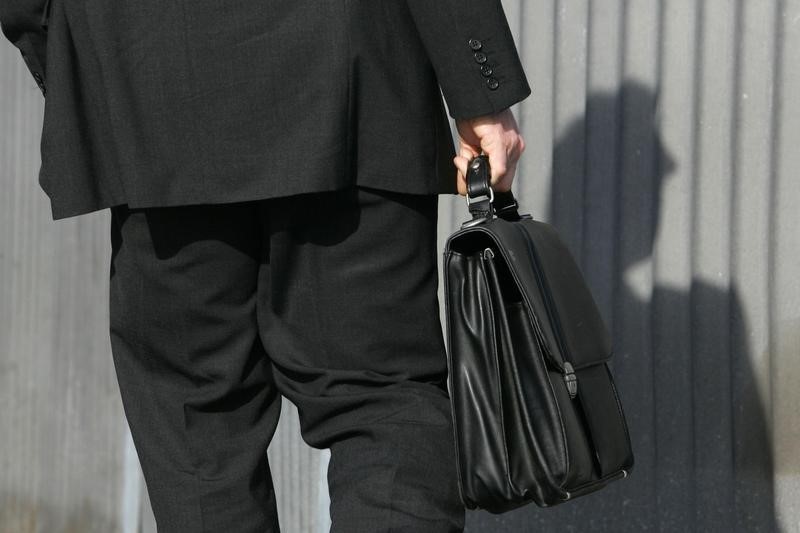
(24, 23)
(472, 51)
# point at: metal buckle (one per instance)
(480, 198)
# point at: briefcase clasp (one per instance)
(570, 379)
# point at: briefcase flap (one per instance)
(543, 267)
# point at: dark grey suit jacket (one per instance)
(155, 103)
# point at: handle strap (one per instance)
(482, 201)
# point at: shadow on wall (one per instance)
(682, 363)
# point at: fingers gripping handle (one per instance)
(482, 201)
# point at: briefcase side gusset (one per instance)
(509, 465)
(472, 377)
(501, 466)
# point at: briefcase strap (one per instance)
(482, 201)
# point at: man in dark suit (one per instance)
(272, 169)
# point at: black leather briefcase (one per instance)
(536, 414)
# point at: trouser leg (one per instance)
(349, 315)
(196, 384)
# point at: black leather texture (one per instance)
(521, 326)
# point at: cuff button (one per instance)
(486, 70)
(492, 83)
(480, 57)
(475, 44)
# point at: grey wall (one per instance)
(661, 143)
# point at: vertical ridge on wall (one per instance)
(672, 251)
(773, 316)
(570, 79)
(602, 126)
(750, 259)
(785, 298)
(634, 360)
(536, 45)
(710, 291)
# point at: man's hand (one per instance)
(499, 138)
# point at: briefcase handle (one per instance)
(483, 202)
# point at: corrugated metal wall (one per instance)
(660, 143)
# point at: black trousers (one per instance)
(327, 299)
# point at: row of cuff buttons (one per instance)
(480, 58)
